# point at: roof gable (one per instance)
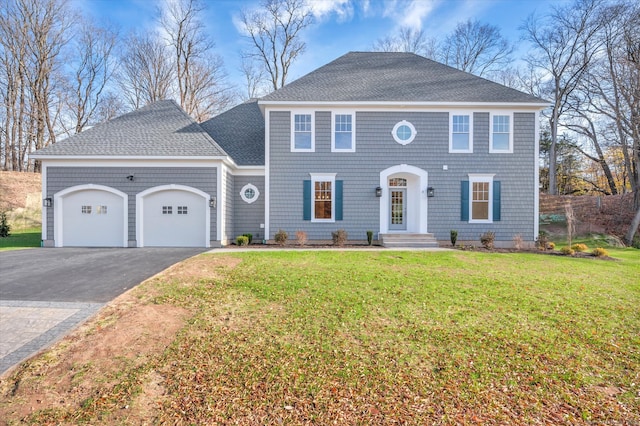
(160, 129)
(394, 77)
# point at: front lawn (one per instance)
(24, 238)
(374, 337)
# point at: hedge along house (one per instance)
(389, 142)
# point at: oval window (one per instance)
(404, 132)
(249, 193)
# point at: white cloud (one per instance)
(409, 13)
(321, 9)
(416, 12)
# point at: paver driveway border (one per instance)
(46, 293)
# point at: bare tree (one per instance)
(581, 119)
(254, 76)
(199, 73)
(408, 40)
(33, 34)
(564, 43)
(93, 47)
(146, 72)
(275, 31)
(476, 48)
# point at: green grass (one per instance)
(385, 337)
(24, 238)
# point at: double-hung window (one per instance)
(302, 132)
(501, 133)
(480, 199)
(322, 198)
(343, 135)
(461, 133)
(323, 206)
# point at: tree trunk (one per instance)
(553, 185)
(628, 239)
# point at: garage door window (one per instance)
(167, 210)
(101, 209)
(182, 209)
(86, 209)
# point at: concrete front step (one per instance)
(408, 240)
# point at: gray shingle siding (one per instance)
(376, 150)
(228, 211)
(60, 178)
(248, 217)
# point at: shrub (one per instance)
(453, 235)
(636, 242)
(5, 228)
(551, 245)
(580, 247)
(369, 237)
(487, 239)
(249, 237)
(517, 241)
(281, 237)
(600, 252)
(339, 237)
(242, 240)
(301, 237)
(542, 240)
(568, 251)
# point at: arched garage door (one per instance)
(90, 216)
(173, 216)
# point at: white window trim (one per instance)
(404, 123)
(484, 178)
(323, 177)
(255, 191)
(501, 151)
(333, 130)
(293, 130)
(461, 151)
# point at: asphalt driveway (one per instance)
(81, 274)
(45, 293)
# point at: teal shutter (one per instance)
(464, 200)
(338, 198)
(306, 200)
(496, 201)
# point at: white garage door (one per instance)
(174, 218)
(92, 218)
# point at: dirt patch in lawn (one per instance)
(124, 339)
(200, 267)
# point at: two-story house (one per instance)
(393, 143)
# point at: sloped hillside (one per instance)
(609, 214)
(20, 197)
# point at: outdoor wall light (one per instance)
(431, 192)
(131, 177)
(213, 202)
(47, 202)
(378, 192)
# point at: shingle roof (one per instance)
(393, 76)
(158, 129)
(240, 132)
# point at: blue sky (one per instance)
(340, 25)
